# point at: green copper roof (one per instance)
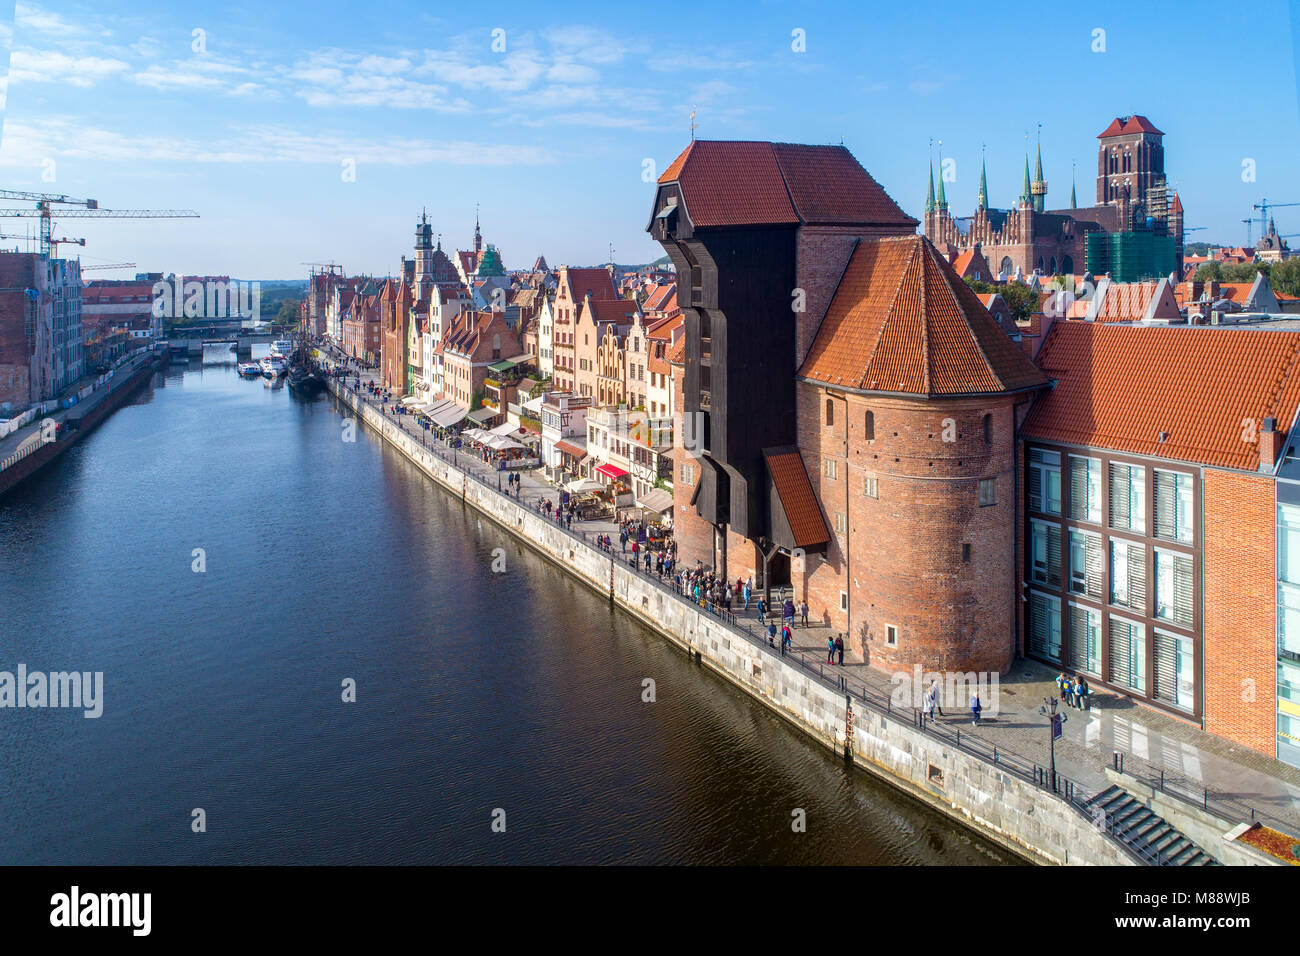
(983, 201)
(1038, 165)
(929, 190)
(1025, 195)
(942, 201)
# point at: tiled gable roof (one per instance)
(1121, 386)
(901, 321)
(795, 496)
(597, 282)
(736, 183)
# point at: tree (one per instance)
(1284, 276)
(1020, 298)
(288, 314)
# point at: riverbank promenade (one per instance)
(1160, 750)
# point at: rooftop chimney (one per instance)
(1270, 444)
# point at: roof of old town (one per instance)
(737, 183)
(1186, 394)
(1128, 125)
(902, 322)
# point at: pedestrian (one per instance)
(937, 692)
(744, 593)
(771, 633)
(830, 650)
(975, 708)
(788, 610)
(927, 705)
(785, 639)
(1081, 692)
(762, 609)
(803, 612)
(839, 648)
(788, 644)
(1069, 691)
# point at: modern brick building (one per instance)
(1162, 522)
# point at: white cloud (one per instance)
(28, 16)
(33, 66)
(27, 144)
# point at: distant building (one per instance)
(41, 352)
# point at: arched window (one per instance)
(1052, 271)
(1008, 267)
(988, 429)
(869, 426)
(1067, 265)
(830, 413)
(1040, 265)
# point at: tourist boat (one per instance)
(273, 366)
(249, 369)
(281, 347)
(304, 381)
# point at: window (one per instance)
(869, 426)
(965, 554)
(1045, 481)
(844, 600)
(1045, 626)
(988, 492)
(1045, 542)
(1085, 489)
(1171, 660)
(830, 413)
(1085, 639)
(1085, 564)
(1173, 494)
(1128, 654)
(841, 523)
(1127, 497)
(830, 468)
(869, 487)
(688, 474)
(891, 632)
(988, 419)
(1127, 574)
(1174, 588)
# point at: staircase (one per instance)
(1144, 832)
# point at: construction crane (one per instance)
(110, 265)
(44, 211)
(1263, 206)
(1249, 223)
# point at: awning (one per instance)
(657, 500)
(504, 365)
(569, 448)
(482, 415)
(505, 428)
(611, 471)
(446, 417)
(579, 485)
(411, 400)
(474, 434)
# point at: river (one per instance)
(227, 560)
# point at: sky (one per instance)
(318, 132)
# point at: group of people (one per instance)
(787, 609)
(1074, 690)
(933, 701)
(563, 515)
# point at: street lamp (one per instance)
(1056, 722)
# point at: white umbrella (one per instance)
(579, 485)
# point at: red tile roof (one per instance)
(795, 495)
(736, 183)
(1120, 386)
(676, 354)
(1126, 125)
(596, 281)
(901, 321)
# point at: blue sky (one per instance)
(550, 136)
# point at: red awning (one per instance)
(611, 471)
(568, 448)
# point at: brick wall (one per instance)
(903, 561)
(1240, 646)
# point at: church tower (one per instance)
(1038, 188)
(423, 254)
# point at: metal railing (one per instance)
(1198, 795)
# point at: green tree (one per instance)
(1284, 276)
(1020, 298)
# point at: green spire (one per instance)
(1074, 202)
(1038, 164)
(983, 202)
(929, 189)
(1025, 196)
(942, 202)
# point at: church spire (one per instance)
(478, 236)
(941, 204)
(929, 187)
(983, 201)
(1025, 197)
(1074, 202)
(1039, 189)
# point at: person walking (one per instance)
(975, 708)
(771, 633)
(937, 693)
(803, 611)
(744, 592)
(927, 705)
(839, 648)
(762, 610)
(1081, 692)
(830, 650)
(785, 639)
(788, 611)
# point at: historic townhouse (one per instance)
(573, 288)
(1161, 541)
(545, 339)
(476, 340)
(594, 318)
(394, 319)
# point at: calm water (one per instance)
(329, 560)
